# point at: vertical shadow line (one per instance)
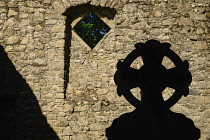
(68, 36)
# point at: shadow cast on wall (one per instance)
(152, 119)
(20, 114)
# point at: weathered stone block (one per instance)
(10, 22)
(13, 40)
(38, 17)
(208, 14)
(97, 107)
(9, 49)
(68, 108)
(207, 100)
(58, 129)
(203, 1)
(57, 29)
(185, 21)
(20, 48)
(12, 13)
(197, 16)
(61, 122)
(81, 108)
(50, 21)
(206, 113)
(200, 31)
(76, 128)
(199, 100)
(102, 91)
(25, 40)
(206, 91)
(38, 63)
(96, 127)
(201, 45)
(38, 28)
(23, 15)
(206, 36)
(83, 121)
(47, 1)
(58, 43)
(59, 7)
(130, 8)
(68, 131)
(52, 117)
(157, 12)
(169, 22)
(60, 35)
(9, 31)
(59, 96)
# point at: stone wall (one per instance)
(70, 86)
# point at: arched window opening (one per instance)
(87, 29)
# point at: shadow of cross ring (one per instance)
(152, 78)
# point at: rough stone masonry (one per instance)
(54, 80)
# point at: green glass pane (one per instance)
(91, 29)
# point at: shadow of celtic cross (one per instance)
(152, 119)
(152, 78)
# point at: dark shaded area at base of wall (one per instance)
(20, 115)
(142, 124)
